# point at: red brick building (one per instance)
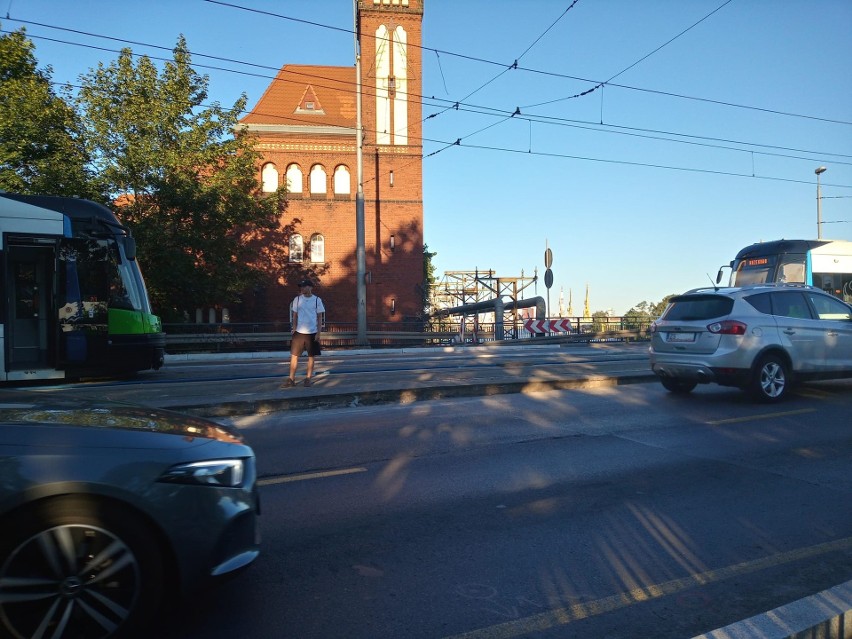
(305, 123)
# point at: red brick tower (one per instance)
(306, 128)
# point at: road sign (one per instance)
(548, 278)
(548, 326)
(548, 258)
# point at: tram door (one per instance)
(29, 276)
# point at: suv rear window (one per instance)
(698, 307)
(761, 302)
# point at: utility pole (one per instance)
(360, 251)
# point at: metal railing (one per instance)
(275, 336)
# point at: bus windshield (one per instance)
(826, 264)
(789, 267)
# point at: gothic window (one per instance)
(269, 177)
(296, 248)
(294, 179)
(317, 248)
(342, 181)
(318, 181)
(391, 86)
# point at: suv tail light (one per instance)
(727, 327)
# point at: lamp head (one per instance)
(820, 170)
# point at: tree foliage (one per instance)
(429, 279)
(181, 179)
(41, 151)
(645, 312)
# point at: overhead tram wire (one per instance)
(459, 142)
(483, 110)
(554, 74)
(565, 156)
(503, 115)
(669, 94)
(640, 60)
(508, 68)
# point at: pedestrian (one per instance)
(307, 318)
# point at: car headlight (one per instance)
(219, 472)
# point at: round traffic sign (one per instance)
(548, 258)
(548, 278)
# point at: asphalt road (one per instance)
(613, 512)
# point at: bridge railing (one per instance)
(275, 336)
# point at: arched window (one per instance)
(296, 248)
(294, 179)
(342, 181)
(317, 248)
(318, 181)
(269, 177)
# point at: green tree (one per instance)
(600, 321)
(41, 151)
(429, 279)
(645, 312)
(182, 180)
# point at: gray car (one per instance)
(761, 338)
(108, 510)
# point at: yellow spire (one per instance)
(570, 304)
(587, 314)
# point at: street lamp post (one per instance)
(819, 172)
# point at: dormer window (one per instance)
(309, 102)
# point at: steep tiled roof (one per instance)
(307, 95)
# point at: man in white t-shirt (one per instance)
(307, 318)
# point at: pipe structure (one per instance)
(498, 306)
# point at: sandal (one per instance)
(307, 381)
(290, 383)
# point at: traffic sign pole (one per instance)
(548, 274)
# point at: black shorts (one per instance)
(303, 343)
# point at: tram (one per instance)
(73, 303)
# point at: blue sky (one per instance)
(640, 188)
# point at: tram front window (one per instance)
(102, 279)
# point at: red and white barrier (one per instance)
(548, 326)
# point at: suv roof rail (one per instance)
(751, 287)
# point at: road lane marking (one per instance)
(307, 476)
(563, 615)
(736, 420)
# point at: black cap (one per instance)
(305, 283)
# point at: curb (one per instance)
(825, 615)
(400, 395)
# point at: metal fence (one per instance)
(275, 336)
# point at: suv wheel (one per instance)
(771, 379)
(679, 386)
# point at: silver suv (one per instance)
(760, 338)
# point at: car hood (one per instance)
(50, 408)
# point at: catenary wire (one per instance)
(476, 109)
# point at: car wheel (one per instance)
(771, 379)
(77, 568)
(679, 386)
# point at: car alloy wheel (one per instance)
(62, 576)
(771, 379)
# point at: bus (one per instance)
(74, 303)
(826, 264)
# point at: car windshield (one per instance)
(698, 307)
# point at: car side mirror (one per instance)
(130, 247)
